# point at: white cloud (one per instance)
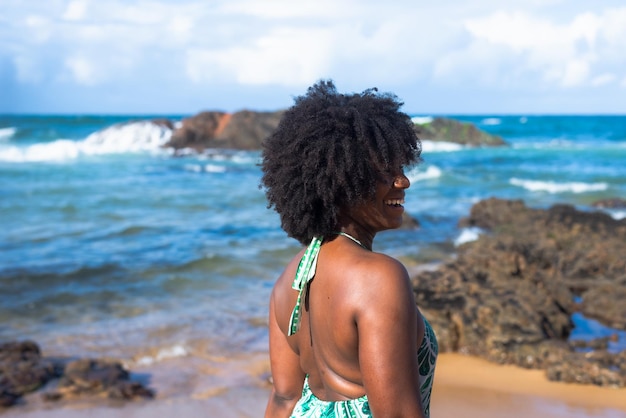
(603, 79)
(181, 28)
(362, 43)
(575, 73)
(568, 53)
(516, 30)
(285, 56)
(289, 9)
(38, 28)
(82, 70)
(28, 70)
(488, 45)
(76, 10)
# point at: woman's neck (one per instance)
(362, 235)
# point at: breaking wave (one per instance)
(468, 235)
(440, 146)
(133, 137)
(432, 172)
(7, 133)
(553, 187)
(421, 120)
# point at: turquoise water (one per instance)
(110, 244)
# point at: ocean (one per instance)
(112, 246)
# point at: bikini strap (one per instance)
(304, 274)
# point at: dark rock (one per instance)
(23, 370)
(599, 302)
(166, 123)
(601, 343)
(8, 398)
(610, 203)
(14, 352)
(98, 377)
(129, 390)
(241, 130)
(533, 356)
(587, 369)
(509, 295)
(450, 130)
(51, 396)
(90, 375)
(247, 130)
(198, 131)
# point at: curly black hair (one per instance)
(328, 152)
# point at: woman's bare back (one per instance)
(347, 281)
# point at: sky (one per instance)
(438, 56)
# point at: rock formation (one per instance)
(24, 370)
(246, 130)
(510, 296)
(450, 130)
(242, 130)
(612, 203)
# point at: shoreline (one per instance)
(238, 388)
(526, 390)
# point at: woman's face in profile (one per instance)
(384, 211)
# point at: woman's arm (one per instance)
(288, 377)
(387, 328)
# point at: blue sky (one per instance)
(439, 57)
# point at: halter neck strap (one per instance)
(304, 274)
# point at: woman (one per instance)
(344, 327)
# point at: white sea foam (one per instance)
(208, 168)
(163, 354)
(617, 214)
(421, 120)
(233, 156)
(213, 168)
(195, 168)
(244, 158)
(118, 139)
(553, 187)
(128, 137)
(7, 133)
(440, 146)
(491, 121)
(468, 235)
(432, 172)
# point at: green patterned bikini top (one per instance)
(426, 353)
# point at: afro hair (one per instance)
(328, 152)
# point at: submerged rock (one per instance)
(450, 130)
(509, 296)
(98, 377)
(610, 203)
(24, 370)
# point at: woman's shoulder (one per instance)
(282, 286)
(376, 276)
(379, 266)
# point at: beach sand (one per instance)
(464, 387)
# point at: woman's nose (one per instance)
(401, 182)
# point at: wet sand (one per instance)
(464, 387)
(471, 387)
